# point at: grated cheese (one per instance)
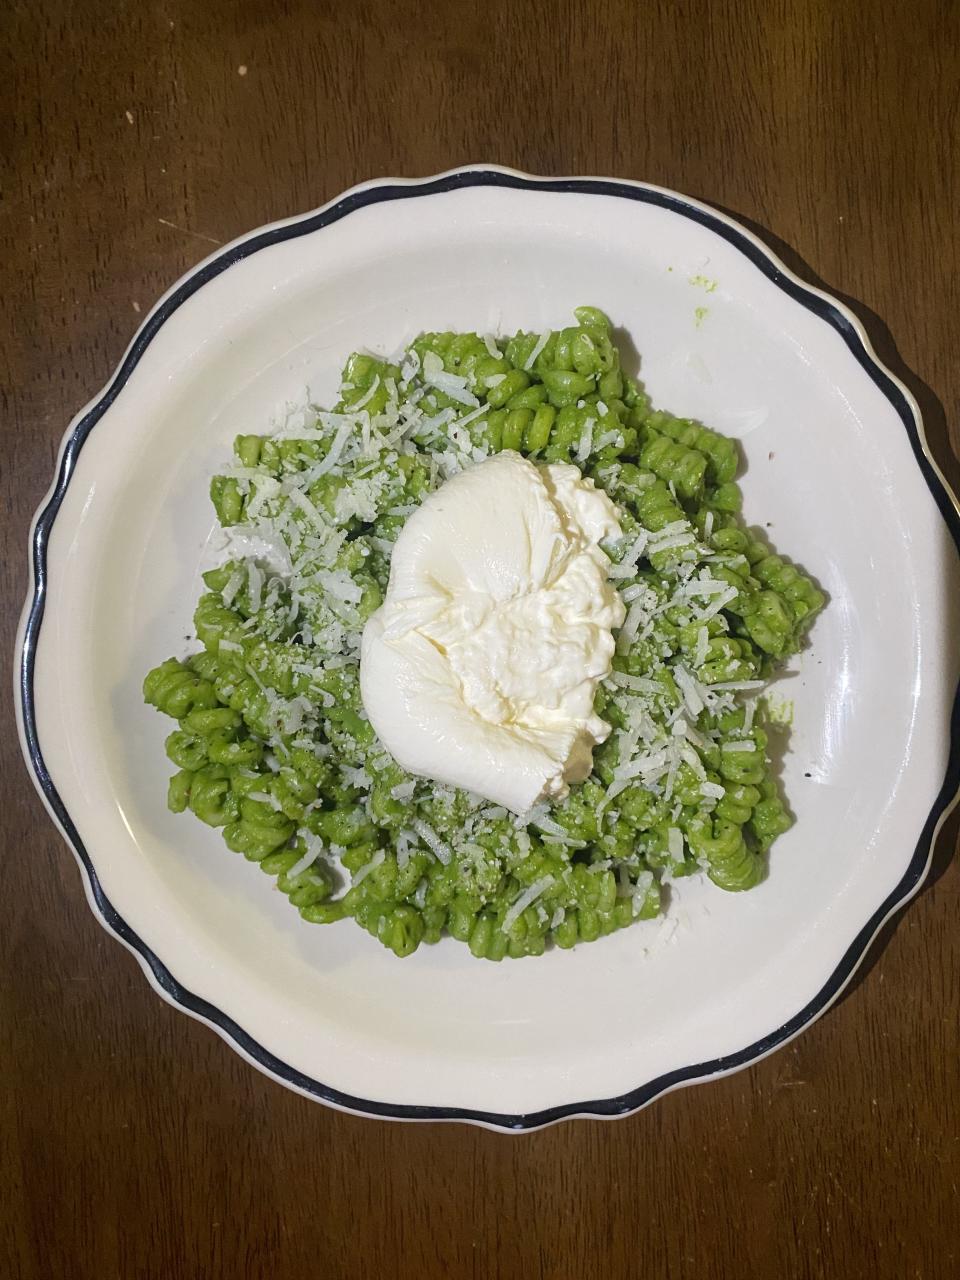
(309, 510)
(690, 688)
(332, 457)
(639, 684)
(703, 645)
(314, 847)
(719, 602)
(627, 566)
(254, 585)
(473, 415)
(366, 397)
(529, 895)
(644, 884)
(671, 543)
(442, 851)
(368, 867)
(265, 797)
(538, 346)
(586, 441)
(748, 714)
(636, 614)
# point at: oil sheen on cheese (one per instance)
(480, 668)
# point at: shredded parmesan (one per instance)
(442, 851)
(367, 395)
(703, 645)
(636, 614)
(639, 684)
(309, 510)
(586, 441)
(332, 457)
(265, 797)
(538, 346)
(748, 714)
(529, 895)
(719, 602)
(690, 688)
(368, 867)
(307, 861)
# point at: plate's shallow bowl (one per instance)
(835, 461)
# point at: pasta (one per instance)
(272, 744)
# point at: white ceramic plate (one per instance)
(836, 459)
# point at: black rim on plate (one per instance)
(827, 310)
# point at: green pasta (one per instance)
(272, 743)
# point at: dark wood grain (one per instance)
(133, 1143)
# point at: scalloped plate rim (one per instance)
(822, 303)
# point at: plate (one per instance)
(835, 459)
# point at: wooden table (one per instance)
(133, 1143)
